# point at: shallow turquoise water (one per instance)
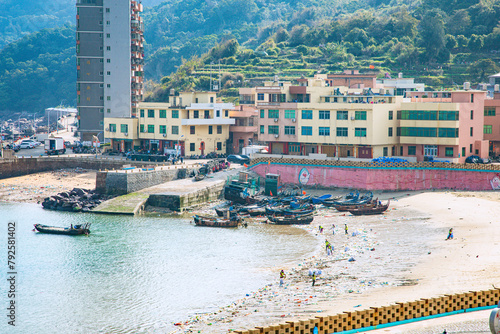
(134, 274)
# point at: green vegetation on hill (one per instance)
(439, 42)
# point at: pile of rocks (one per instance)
(75, 200)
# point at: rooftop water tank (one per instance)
(466, 85)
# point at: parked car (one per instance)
(237, 159)
(474, 159)
(27, 144)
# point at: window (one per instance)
(211, 99)
(324, 131)
(219, 129)
(108, 48)
(226, 113)
(151, 113)
(192, 130)
(307, 130)
(112, 128)
(108, 60)
(448, 132)
(151, 128)
(448, 151)
(163, 114)
(108, 85)
(142, 112)
(107, 10)
(360, 132)
(401, 150)
(472, 114)
(100, 98)
(260, 97)
(262, 127)
(290, 130)
(108, 73)
(412, 150)
(472, 99)
(360, 115)
(324, 114)
(124, 128)
(262, 113)
(489, 111)
(175, 113)
(390, 132)
(463, 151)
(108, 110)
(488, 129)
(289, 114)
(448, 115)
(430, 150)
(217, 113)
(108, 35)
(101, 73)
(141, 128)
(386, 151)
(210, 129)
(191, 147)
(273, 114)
(341, 132)
(470, 148)
(471, 131)
(196, 114)
(219, 146)
(307, 114)
(273, 129)
(108, 98)
(175, 130)
(391, 115)
(108, 23)
(207, 114)
(342, 114)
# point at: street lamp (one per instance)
(177, 148)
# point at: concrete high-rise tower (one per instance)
(110, 57)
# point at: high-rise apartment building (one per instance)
(110, 56)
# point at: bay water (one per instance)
(136, 274)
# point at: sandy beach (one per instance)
(400, 256)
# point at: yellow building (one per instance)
(192, 123)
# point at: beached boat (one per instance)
(320, 199)
(291, 220)
(376, 209)
(73, 230)
(216, 221)
(222, 210)
(351, 199)
(199, 177)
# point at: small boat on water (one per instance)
(376, 209)
(216, 221)
(73, 230)
(291, 219)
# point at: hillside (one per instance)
(439, 42)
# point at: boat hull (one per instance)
(62, 230)
(216, 222)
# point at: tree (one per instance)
(481, 69)
(476, 42)
(432, 33)
(451, 42)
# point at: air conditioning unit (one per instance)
(352, 118)
(276, 136)
(126, 134)
(107, 129)
(275, 120)
(293, 120)
(164, 135)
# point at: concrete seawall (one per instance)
(391, 177)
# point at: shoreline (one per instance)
(400, 256)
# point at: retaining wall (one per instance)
(381, 176)
(380, 317)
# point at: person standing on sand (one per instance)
(450, 234)
(346, 229)
(320, 229)
(333, 229)
(314, 278)
(282, 277)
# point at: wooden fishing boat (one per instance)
(347, 207)
(199, 177)
(320, 199)
(351, 199)
(73, 230)
(291, 220)
(223, 211)
(216, 221)
(377, 209)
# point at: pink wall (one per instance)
(382, 179)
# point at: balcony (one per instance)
(246, 128)
(429, 141)
(207, 121)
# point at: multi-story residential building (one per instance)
(192, 123)
(314, 117)
(446, 125)
(491, 127)
(244, 131)
(398, 86)
(109, 50)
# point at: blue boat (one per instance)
(319, 200)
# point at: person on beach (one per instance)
(327, 247)
(346, 229)
(282, 277)
(450, 234)
(333, 229)
(320, 229)
(314, 278)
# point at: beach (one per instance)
(400, 256)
